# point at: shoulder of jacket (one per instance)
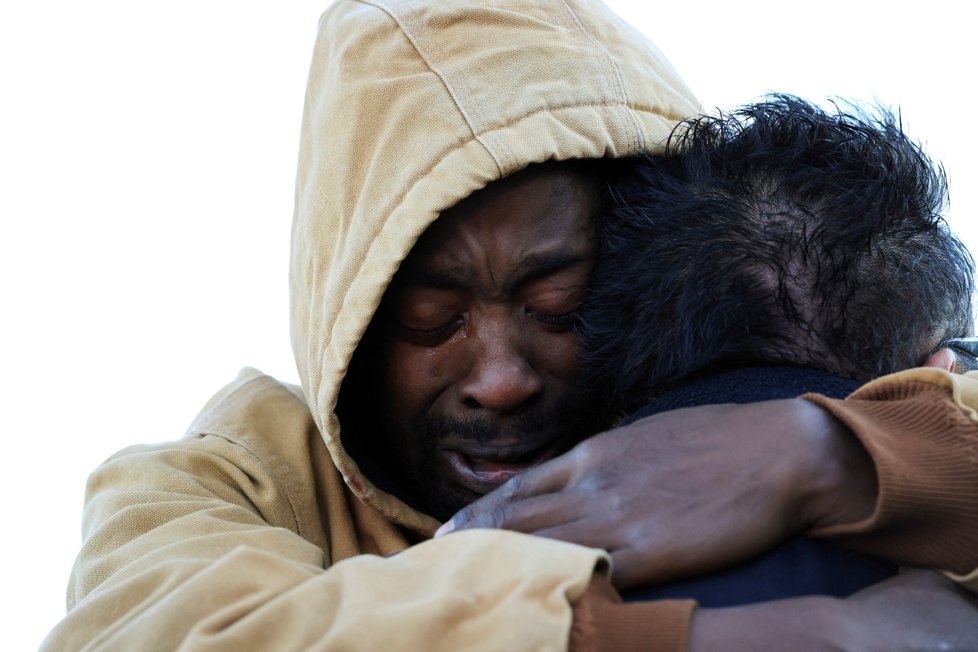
(251, 407)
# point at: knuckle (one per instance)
(497, 517)
(589, 484)
(486, 514)
(598, 480)
(584, 450)
(636, 533)
(515, 487)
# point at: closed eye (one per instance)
(430, 336)
(561, 321)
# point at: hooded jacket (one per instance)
(411, 107)
(257, 529)
(251, 530)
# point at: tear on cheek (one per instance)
(435, 362)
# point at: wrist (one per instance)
(838, 480)
(803, 624)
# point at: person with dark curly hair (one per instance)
(775, 250)
(780, 233)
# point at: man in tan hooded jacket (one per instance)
(258, 530)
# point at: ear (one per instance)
(941, 359)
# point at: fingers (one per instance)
(549, 477)
(530, 514)
(563, 474)
(583, 529)
(520, 503)
(506, 507)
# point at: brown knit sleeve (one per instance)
(924, 444)
(603, 623)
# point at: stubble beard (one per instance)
(416, 454)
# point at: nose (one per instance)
(501, 377)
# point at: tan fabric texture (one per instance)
(250, 532)
(221, 541)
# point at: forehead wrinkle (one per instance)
(448, 278)
(532, 267)
(547, 252)
(543, 264)
(455, 252)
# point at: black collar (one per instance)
(749, 385)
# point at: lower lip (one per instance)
(486, 479)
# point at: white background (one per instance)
(147, 154)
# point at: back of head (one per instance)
(781, 233)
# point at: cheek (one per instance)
(415, 377)
(558, 356)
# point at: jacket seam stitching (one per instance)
(614, 67)
(232, 438)
(572, 105)
(234, 397)
(448, 88)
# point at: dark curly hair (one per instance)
(779, 233)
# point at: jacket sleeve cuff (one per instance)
(603, 623)
(925, 450)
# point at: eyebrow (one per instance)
(531, 268)
(537, 266)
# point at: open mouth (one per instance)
(483, 472)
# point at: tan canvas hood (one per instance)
(412, 106)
